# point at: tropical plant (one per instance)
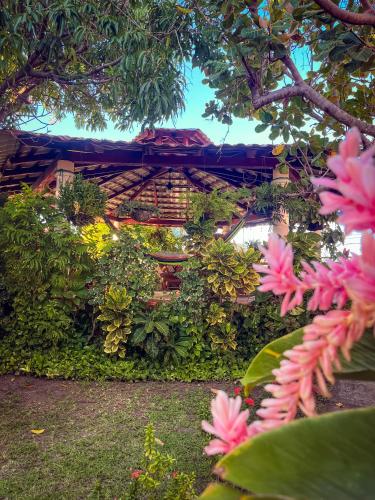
(125, 264)
(117, 318)
(155, 239)
(81, 201)
(223, 336)
(97, 236)
(155, 478)
(229, 271)
(302, 204)
(161, 334)
(215, 206)
(339, 342)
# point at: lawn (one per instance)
(94, 432)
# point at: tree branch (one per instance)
(324, 104)
(358, 18)
(302, 89)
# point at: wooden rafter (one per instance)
(195, 182)
(137, 183)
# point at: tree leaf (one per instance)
(138, 336)
(321, 458)
(277, 150)
(37, 431)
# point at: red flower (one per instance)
(136, 473)
(237, 391)
(249, 401)
(174, 474)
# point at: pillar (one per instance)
(280, 177)
(64, 174)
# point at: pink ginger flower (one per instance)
(308, 367)
(280, 277)
(327, 281)
(354, 186)
(229, 424)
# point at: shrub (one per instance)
(45, 270)
(230, 271)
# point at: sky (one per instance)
(197, 94)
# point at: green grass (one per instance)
(94, 436)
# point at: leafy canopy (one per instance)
(92, 58)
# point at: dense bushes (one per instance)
(45, 271)
(77, 301)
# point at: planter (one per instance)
(137, 211)
(142, 215)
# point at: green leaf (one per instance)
(138, 336)
(260, 369)
(322, 458)
(361, 366)
(261, 127)
(215, 491)
(338, 53)
(162, 327)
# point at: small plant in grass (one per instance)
(156, 477)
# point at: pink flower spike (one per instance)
(279, 275)
(354, 186)
(229, 424)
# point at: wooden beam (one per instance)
(139, 191)
(195, 182)
(228, 179)
(45, 178)
(118, 157)
(9, 173)
(152, 222)
(156, 200)
(137, 183)
(16, 182)
(29, 158)
(100, 172)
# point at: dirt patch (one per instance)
(32, 392)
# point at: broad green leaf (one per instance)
(260, 369)
(162, 327)
(360, 367)
(321, 458)
(215, 491)
(362, 363)
(138, 336)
